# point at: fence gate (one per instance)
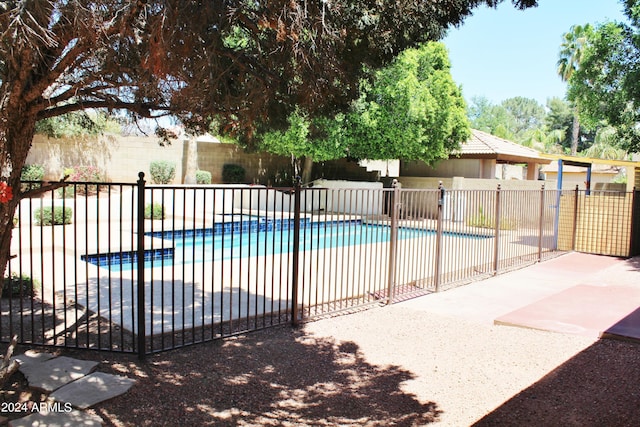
(598, 222)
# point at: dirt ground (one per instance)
(380, 367)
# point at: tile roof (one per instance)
(484, 145)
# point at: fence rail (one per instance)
(131, 267)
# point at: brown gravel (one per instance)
(381, 367)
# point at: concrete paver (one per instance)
(74, 388)
(575, 293)
(94, 388)
(73, 418)
(56, 372)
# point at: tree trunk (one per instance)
(306, 170)
(575, 132)
(16, 135)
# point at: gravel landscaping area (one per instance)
(384, 366)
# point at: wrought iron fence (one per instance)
(144, 268)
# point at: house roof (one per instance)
(482, 145)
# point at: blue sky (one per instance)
(502, 53)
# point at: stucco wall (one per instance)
(121, 158)
(468, 168)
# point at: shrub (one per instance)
(16, 286)
(55, 216)
(85, 174)
(483, 221)
(203, 177)
(155, 211)
(233, 174)
(32, 173)
(162, 172)
(82, 174)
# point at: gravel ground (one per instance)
(409, 364)
(381, 367)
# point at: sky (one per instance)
(503, 53)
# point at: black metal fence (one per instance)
(144, 268)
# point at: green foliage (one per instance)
(155, 211)
(527, 113)
(482, 220)
(56, 216)
(203, 177)
(18, 286)
(514, 119)
(413, 110)
(233, 174)
(77, 124)
(606, 86)
(162, 172)
(559, 119)
(32, 173)
(572, 50)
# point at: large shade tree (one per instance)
(607, 84)
(241, 60)
(411, 110)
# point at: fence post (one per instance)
(575, 219)
(634, 245)
(393, 241)
(140, 265)
(496, 243)
(438, 267)
(541, 223)
(296, 252)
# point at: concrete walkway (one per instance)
(71, 384)
(590, 295)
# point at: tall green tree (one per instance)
(607, 84)
(572, 52)
(411, 110)
(491, 118)
(527, 114)
(559, 119)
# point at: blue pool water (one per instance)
(256, 237)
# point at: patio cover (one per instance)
(588, 162)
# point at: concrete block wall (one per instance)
(121, 158)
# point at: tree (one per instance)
(607, 84)
(494, 119)
(78, 124)
(240, 60)
(527, 114)
(572, 51)
(559, 119)
(411, 110)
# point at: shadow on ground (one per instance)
(278, 376)
(597, 387)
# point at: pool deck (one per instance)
(576, 293)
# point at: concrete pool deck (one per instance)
(577, 293)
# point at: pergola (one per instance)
(587, 162)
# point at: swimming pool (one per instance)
(251, 238)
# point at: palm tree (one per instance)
(571, 54)
(606, 146)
